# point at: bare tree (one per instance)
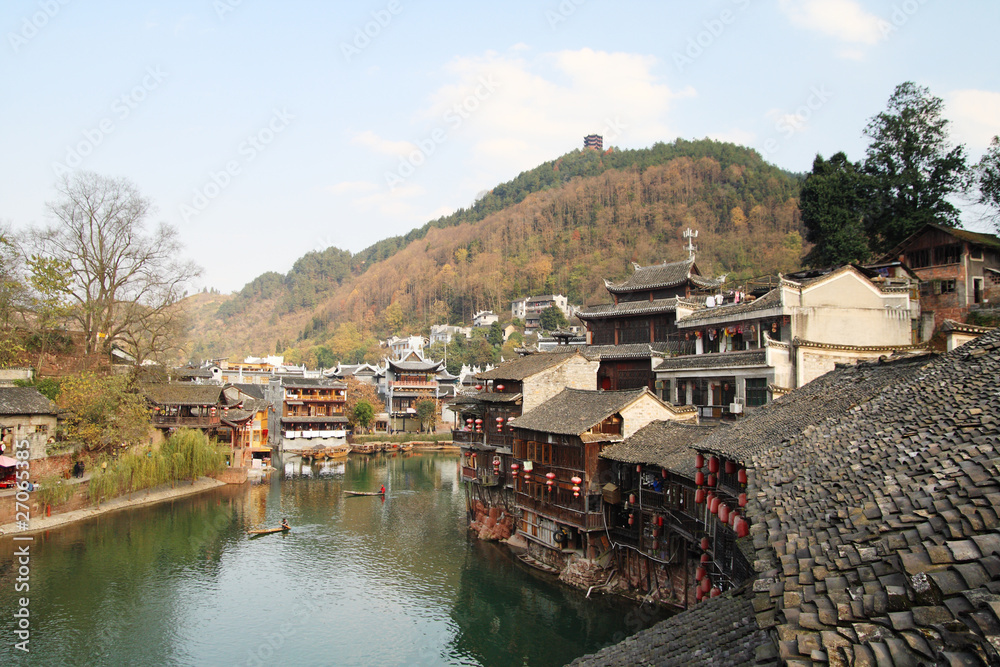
(125, 280)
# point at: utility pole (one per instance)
(690, 236)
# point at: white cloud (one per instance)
(385, 146)
(845, 20)
(735, 135)
(349, 187)
(975, 116)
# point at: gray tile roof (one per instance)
(668, 274)
(525, 367)
(327, 419)
(714, 360)
(310, 383)
(183, 394)
(575, 411)
(663, 443)
(628, 308)
(721, 632)
(733, 312)
(627, 351)
(416, 366)
(25, 401)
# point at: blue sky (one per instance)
(263, 130)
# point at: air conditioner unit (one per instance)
(736, 408)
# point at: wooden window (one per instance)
(948, 254)
(756, 391)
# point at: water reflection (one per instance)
(358, 581)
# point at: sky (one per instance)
(263, 130)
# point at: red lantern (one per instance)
(527, 477)
(705, 558)
(715, 592)
(549, 483)
(514, 466)
(699, 478)
(499, 387)
(499, 420)
(550, 475)
(699, 496)
(743, 500)
(713, 464)
(659, 521)
(710, 480)
(699, 461)
(724, 513)
(576, 480)
(700, 573)
(742, 528)
(638, 468)
(631, 499)
(730, 467)
(698, 595)
(713, 506)
(663, 471)
(631, 519)
(576, 490)
(479, 421)
(656, 532)
(741, 476)
(706, 584)
(705, 544)
(479, 387)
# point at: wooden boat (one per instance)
(268, 531)
(363, 493)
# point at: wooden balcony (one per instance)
(176, 421)
(567, 515)
(412, 384)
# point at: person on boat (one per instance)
(382, 490)
(284, 524)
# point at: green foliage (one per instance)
(426, 413)
(187, 454)
(105, 411)
(55, 342)
(47, 387)
(914, 167)
(363, 415)
(987, 172)
(53, 490)
(833, 202)
(552, 318)
(495, 335)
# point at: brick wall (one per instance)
(575, 373)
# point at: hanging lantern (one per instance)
(478, 420)
(514, 466)
(499, 387)
(656, 545)
(699, 461)
(549, 484)
(698, 595)
(499, 420)
(715, 592)
(710, 479)
(663, 471)
(742, 527)
(733, 516)
(713, 464)
(741, 476)
(705, 544)
(576, 490)
(656, 532)
(730, 467)
(479, 387)
(631, 498)
(743, 500)
(527, 477)
(638, 468)
(576, 480)
(699, 478)
(700, 573)
(706, 584)
(713, 506)
(659, 521)
(699, 496)
(724, 513)
(469, 420)
(550, 476)
(705, 558)
(631, 519)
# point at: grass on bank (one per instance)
(402, 437)
(53, 491)
(187, 454)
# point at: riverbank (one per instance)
(149, 496)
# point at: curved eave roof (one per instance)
(627, 308)
(660, 276)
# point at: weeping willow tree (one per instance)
(187, 454)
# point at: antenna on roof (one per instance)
(690, 236)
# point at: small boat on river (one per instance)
(268, 531)
(363, 493)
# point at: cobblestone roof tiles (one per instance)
(183, 394)
(663, 443)
(829, 395)
(524, 367)
(25, 401)
(668, 274)
(721, 631)
(254, 390)
(607, 310)
(714, 360)
(627, 351)
(303, 383)
(251, 406)
(732, 312)
(417, 366)
(575, 411)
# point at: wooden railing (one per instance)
(207, 421)
(586, 520)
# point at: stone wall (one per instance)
(577, 372)
(648, 409)
(9, 509)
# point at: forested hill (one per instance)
(562, 227)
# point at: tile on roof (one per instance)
(575, 411)
(627, 351)
(183, 394)
(524, 367)
(668, 274)
(735, 311)
(713, 360)
(664, 443)
(25, 401)
(628, 308)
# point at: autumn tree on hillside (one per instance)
(359, 392)
(988, 178)
(105, 412)
(123, 277)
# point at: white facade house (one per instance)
(530, 308)
(444, 333)
(484, 318)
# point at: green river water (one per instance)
(358, 581)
